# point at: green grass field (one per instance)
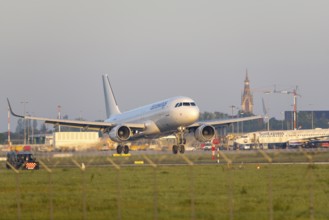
(166, 192)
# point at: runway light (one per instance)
(121, 155)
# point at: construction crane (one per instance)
(294, 94)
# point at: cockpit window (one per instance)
(179, 104)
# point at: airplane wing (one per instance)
(224, 121)
(87, 125)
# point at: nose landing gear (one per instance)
(180, 140)
(178, 148)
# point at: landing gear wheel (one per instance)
(181, 149)
(119, 149)
(126, 149)
(175, 149)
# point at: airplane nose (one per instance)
(186, 116)
(194, 114)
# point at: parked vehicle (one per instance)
(21, 160)
(206, 146)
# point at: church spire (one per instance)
(247, 78)
(247, 103)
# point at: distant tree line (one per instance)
(305, 121)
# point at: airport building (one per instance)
(66, 140)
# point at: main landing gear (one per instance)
(178, 148)
(124, 149)
(180, 140)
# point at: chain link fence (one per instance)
(257, 184)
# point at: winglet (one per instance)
(11, 110)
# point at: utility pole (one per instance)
(282, 120)
(237, 124)
(233, 107)
(24, 122)
(312, 119)
(32, 127)
(242, 122)
(59, 116)
(80, 119)
(9, 142)
(28, 128)
(295, 108)
(312, 116)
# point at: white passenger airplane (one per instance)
(288, 137)
(173, 116)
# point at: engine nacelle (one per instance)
(120, 133)
(204, 133)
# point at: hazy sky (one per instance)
(54, 53)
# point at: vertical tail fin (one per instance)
(110, 101)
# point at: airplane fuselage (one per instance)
(283, 136)
(161, 117)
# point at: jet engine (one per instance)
(120, 133)
(204, 133)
